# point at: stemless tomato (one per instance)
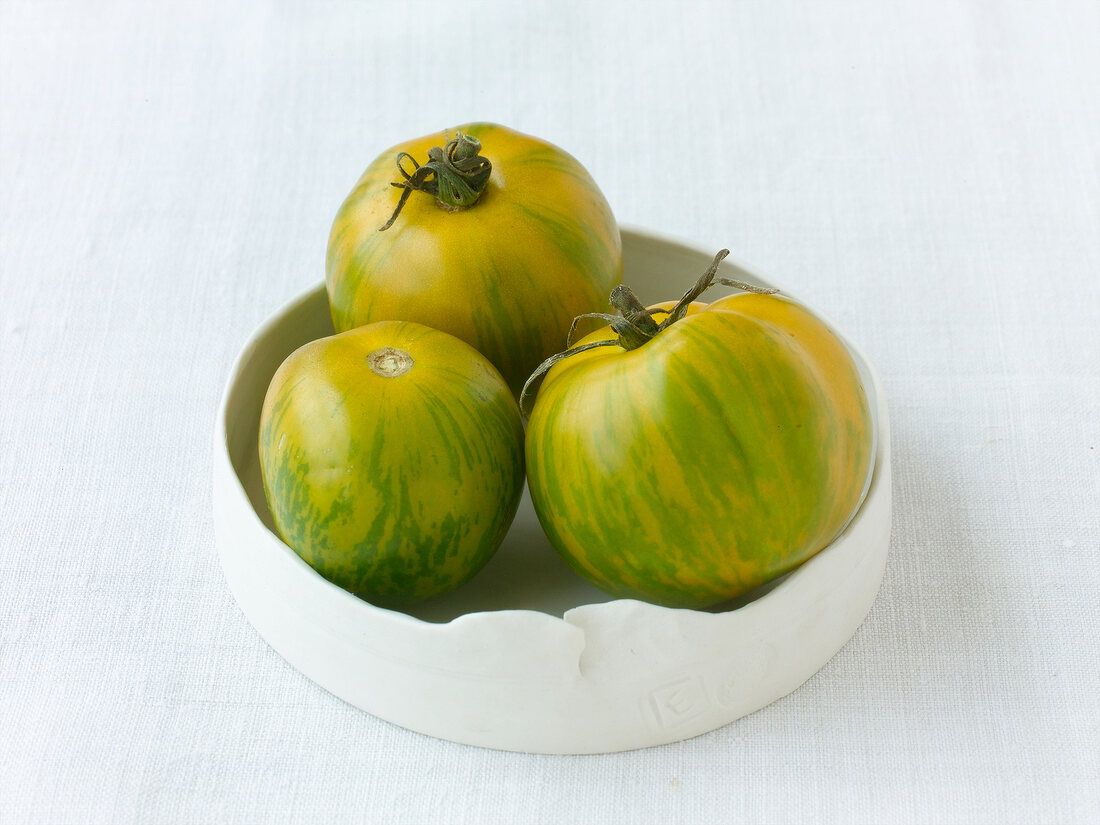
(505, 268)
(721, 453)
(392, 459)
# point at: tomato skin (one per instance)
(395, 488)
(719, 455)
(507, 275)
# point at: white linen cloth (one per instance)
(927, 174)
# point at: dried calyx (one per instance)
(634, 324)
(456, 174)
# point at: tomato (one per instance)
(505, 270)
(725, 450)
(392, 459)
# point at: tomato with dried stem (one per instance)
(688, 453)
(493, 236)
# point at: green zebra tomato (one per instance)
(722, 452)
(504, 240)
(392, 459)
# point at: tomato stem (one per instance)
(634, 323)
(456, 174)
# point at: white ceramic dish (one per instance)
(527, 656)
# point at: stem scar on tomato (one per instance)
(634, 324)
(389, 362)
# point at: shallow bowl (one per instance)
(527, 656)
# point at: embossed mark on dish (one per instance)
(677, 702)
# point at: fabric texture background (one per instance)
(927, 174)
